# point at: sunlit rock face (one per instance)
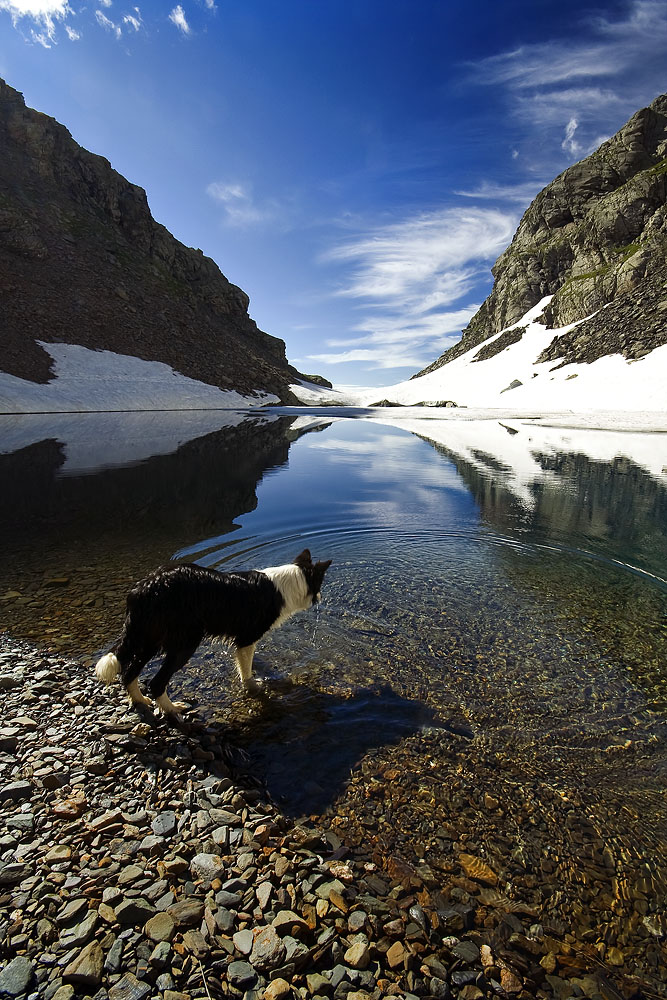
(595, 237)
(82, 261)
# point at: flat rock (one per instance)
(15, 790)
(207, 866)
(86, 968)
(134, 911)
(268, 951)
(15, 978)
(129, 988)
(161, 927)
(358, 954)
(164, 825)
(241, 974)
(187, 912)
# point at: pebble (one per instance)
(134, 857)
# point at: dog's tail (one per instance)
(107, 668)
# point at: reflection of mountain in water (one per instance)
(614, 509)
(615, 506)
(97, 534)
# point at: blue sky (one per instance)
(356, 167)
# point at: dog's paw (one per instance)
(169, 707)
(252, 688)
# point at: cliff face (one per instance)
(595, 239)
(82, 261)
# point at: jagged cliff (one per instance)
(595, 239)
(82, 261)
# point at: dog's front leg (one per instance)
(244, 656)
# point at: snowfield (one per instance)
(101, 381)
(609, 384)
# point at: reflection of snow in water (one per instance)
(95, 441)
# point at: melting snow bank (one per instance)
(514, 381)
(101, 381)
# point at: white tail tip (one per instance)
(107, 668)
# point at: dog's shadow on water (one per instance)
(304, 743)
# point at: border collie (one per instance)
(173, 609)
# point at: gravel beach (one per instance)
(138, 860)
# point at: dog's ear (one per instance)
(324, 565)
(303, 560)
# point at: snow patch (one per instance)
(102, 381)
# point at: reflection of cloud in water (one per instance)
(390, 457)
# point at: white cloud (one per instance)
(405, 277)
(44, 13)
(603, 70)
(107, 24)
(72, 34)
(106, 3)
(569, 143)
(134, 20)
(178, 18)
(377, 358)
(522, 193)
(425, 262)
(239, 205)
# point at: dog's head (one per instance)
(313, 572)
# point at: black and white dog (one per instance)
(176, 607)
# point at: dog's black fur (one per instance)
(173, 609)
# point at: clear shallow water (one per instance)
(486, 673)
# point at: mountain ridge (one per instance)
(595, 239)
(82, 261)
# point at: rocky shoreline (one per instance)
(142, 861)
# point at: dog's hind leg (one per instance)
(244, 656)
(173, 661)
(130, 672)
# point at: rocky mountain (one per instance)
(596, 240)
(82, 261)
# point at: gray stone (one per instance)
(160, 955)
(113, 959)
(241, 974)
(129, 988)
(15, 790)
(13, 872)
(231, 900)
(15, 978)
(243, 941)
(207, 867)
(23, 822)
(268, 951)
(134, 911)
(467, 951)
(164, 825)
(75, 937)
(187, 912)
(72, 910)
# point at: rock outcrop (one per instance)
(595, 239)
(82, 261)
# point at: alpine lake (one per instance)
(483, 686)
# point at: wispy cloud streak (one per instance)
(406, 275)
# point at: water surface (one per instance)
(486, 673)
